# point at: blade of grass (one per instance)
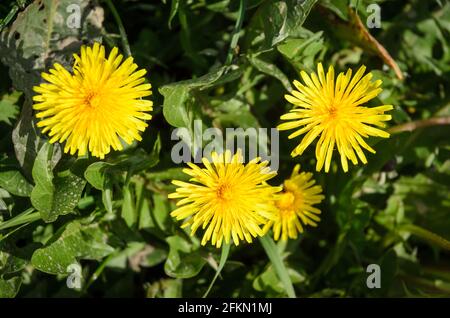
(223, 259)
(4, 22)
(275, 258)
(237, 30)
(27, 216)
(123, 34)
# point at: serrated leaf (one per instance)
(47, 31)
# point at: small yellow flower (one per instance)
(295, 205)
(96, 105)
(334, 111)
(228, 198)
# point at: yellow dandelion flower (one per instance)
(96, 105)
(333, 110)
(228, 198)
(295, 205)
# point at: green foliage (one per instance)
(226, 64)
(9, 108)
(54, 195)
(76, 241)
(40, 36)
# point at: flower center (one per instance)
(92, 100)
(286, 202)
(332, 111)
(225, 192)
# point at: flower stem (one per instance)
(413, 125)
(426, 235)
(98, 271)
(123, 34)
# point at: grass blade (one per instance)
(223, 259)
(275, 258)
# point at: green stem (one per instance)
(423, 282)
(426, 235)
(237, 30)
(123, 34)
(27, 216)
(98, 271)
(275, 258)
(223, 259)
(9, 17)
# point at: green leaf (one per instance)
(54, 195)
(26, 139)
(98, 173)
(165, 288)
(10, 287)
(8, 107)
(153, 210)
(271, 70)
(71, 243)
(42, 194)
(419, 200)
(139, 160)
(155, 257)
(13, 181)
(232, 111)
(277, 262)
(302, 51)
(183, 260)
(95, 174)
(128, 209)
(277, 20)
(42, 34)
(269, 281)
(11, 259)
(176, 109)
(167, 174)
